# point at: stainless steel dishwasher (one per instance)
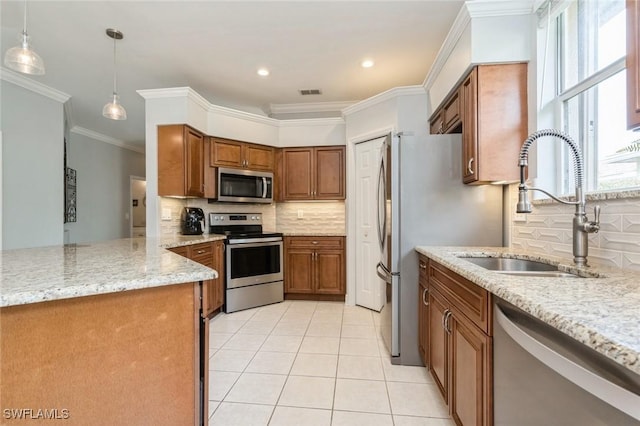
(544, 377)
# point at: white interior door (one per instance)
(370, 289)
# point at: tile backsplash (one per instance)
(548, 229)
(317, 217)
(176, 205)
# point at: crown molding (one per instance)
(104, 138)
(384, 96)
(308, 122)
(171, 92)
(470, 10)
(249, 116)
(32, 85)
(309, 107)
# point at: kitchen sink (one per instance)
(519, 267)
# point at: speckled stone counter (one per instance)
(602, 312)
(62, 272)
(186, 240)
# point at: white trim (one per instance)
(32, 85)
(472, 9)
(384, 96)
(309, 107)
(308, 122)
(104, 138)
(249, 116)
(594, 79)
(172, 92)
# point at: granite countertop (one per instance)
(313, 234)
(186, 240)
(602, 312)
(61, 272)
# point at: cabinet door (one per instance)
(423, 320)
(470, 128)
(436, 124)
(210, 175)
(471, 402)
(227, 153)
(218, 283)
(329, 173)
(299, 271)
(259, 157)
(194, 142)
(633, 64)
(451, 113)
(298, 170)
(438, 343)
(329, 271)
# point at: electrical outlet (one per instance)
(519, 217)
(300, 214)
(166, 214)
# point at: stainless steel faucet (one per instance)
(582, 227)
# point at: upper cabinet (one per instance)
(242, 155)
(489, 107)
(312, 173)
(180, 161)
(633, 66)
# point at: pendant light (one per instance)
(23, 58)
(113, 109)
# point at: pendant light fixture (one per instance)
(23, 58)
(113, 109)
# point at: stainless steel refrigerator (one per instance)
(423, 202)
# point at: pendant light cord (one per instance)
(115, 81)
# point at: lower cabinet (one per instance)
(423, 310)
(460, 345)
(210, 254)
(314, 266)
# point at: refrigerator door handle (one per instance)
(382, 225)
(383, 272)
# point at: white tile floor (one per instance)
(313, 363)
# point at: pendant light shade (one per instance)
(113, 109)
(23, 58)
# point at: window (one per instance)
(591, 84)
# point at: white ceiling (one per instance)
(216, 47)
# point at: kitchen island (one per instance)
(601, 311)
(103, 334)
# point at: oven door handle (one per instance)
(252, 242)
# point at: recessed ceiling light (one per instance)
(263, 72)
(367, 63)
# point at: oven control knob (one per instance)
(254, 218)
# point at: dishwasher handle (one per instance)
(614, 395)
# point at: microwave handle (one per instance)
(264, 187)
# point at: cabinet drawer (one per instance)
(314, 242)
(423, 265)
(471, 300)
(182, 250)
(202, 253)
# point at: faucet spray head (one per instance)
(524, 205)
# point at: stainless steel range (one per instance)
(253, 260)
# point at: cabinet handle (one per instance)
(314, 242)
(447, 328)
(469, 169)
(201, 251)
(423, 266)
(424, 297)
(444, 315)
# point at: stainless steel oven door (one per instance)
(254, 263)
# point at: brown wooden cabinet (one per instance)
(312, 173)
(242, 155)
(180, 161)
(460, 345)
(423, 309)
(489, 108)
(314, 265)
(494, 122)
(210, 254)
(633, 64)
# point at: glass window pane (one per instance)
(592, 37)
(597, 119)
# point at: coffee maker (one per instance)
(192, 221)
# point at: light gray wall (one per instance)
(103, 183)
(32, 163)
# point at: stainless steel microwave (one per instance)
(244, 186)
